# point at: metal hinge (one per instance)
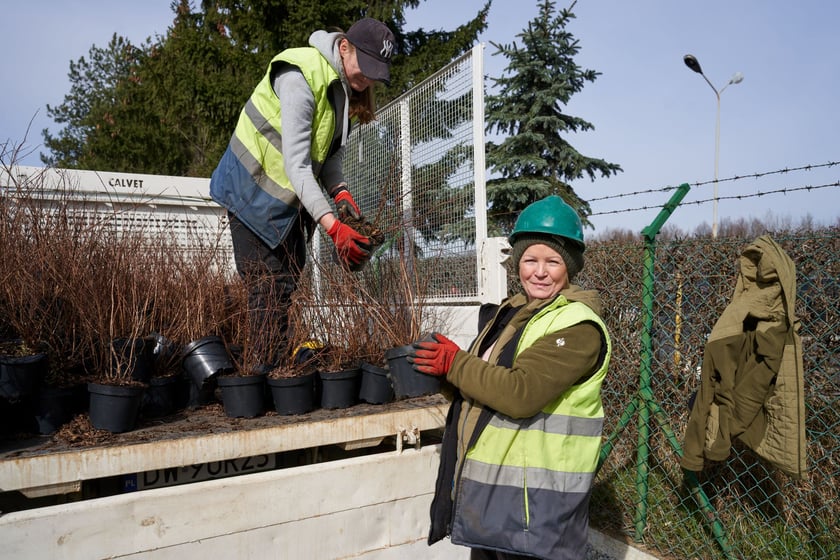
(410, 436)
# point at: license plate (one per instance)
(196, 473)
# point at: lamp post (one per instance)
(691, 61)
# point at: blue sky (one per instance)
(652, 115)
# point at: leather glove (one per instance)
(433, 356)
(344, 202)
(353, 248)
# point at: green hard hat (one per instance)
(550, 216)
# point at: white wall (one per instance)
(374, 507)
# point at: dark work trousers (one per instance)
(271, 277)
(486, 554)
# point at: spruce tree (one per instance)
(536, 159)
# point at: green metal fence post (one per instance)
(709, 513)
(643, 450)
(646, 405)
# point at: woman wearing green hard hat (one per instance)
(524, 428)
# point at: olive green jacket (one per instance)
(517, 383)
(752, 385)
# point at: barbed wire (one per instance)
(809, 167)
(785, 190)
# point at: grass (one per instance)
(675, 528)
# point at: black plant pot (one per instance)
(134, 356)
(162, 354)
(18, 417)
(20, 376)
(340, 389)
(242, 396)
(206, 358)
(196, 397)
(293, 395)
(376, 385)
(162, 397)
(58, 405)
(115, 407)
(408, 382)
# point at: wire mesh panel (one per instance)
(413, 174)
(744, 506)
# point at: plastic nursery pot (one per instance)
(57, 405)
(407, 382)
(340, 389)
(293, 395)
(21, 375)
(162, 396)
(191, 396)
(134, 358)
(376, 385)
(206, 358)
(242, 396)
(114, 407)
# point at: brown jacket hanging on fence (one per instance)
(752, 383)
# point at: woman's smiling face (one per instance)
(542, 272)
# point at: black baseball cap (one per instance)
(374, 44)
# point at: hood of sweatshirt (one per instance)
(591, 298)
(327, 44)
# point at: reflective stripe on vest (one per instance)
(257, 140)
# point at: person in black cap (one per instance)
(286, 154)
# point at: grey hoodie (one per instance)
(297, 107)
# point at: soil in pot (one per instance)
(369, 230)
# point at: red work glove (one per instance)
(353, 248)
(345, 204)
(433, 357)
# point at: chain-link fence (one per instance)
(742, 507)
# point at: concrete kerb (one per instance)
(608, 548)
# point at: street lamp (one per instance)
(691, 61)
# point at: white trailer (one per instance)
(325, 485)
(368, 505)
